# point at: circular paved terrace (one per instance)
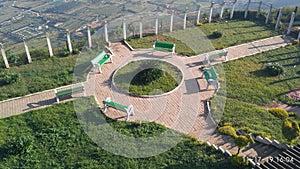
(182, 109)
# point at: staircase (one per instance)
(288, 159)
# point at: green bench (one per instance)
(127, 109)
(163, 46)
(101, 59)
(63, 93)
(211, 77)
(209, 58)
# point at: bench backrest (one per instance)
(99, 57)
(216, 55)
(69, 91)
(164, 45)
(223, 53)
(115, 105)
(213, 73)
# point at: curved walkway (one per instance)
(184, 117)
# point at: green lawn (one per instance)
(38, 76)
(237, 32)
(53, 138)
(249, 87)
(131, 79)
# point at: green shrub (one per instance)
(228, 130)
(66, 53)
(274, 69)
(280, 113)
(76, 51)
(241, 141)
(238, 162)
(217, 34)
(290, 129)
(10, 78)
(147, 76)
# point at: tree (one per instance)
(241, 142)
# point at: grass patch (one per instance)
(249, 86)
(235, 32)
(53, 138)
(38, 76)
(148, 77)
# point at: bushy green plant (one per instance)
(280, 113)
(238, 162)
(217, 34)
(14, 58)
(274, 69)
(147, 76)
(290, 129)
(241, 142)
(10, 78)
(228, 130)
(76, 51)
(66, 53)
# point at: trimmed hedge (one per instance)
(280, 113)
(228, 130)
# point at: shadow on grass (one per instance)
(261, 73)
(292, 64)
(283, 59)
(283, 80)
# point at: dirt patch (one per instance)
(273, 104)
(294, 94)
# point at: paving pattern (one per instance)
(182, 110)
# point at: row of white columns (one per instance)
(69, 43)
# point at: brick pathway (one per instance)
(182, 110)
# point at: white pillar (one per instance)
(27, 52)
(247, 9)
(278, 19)
(105, 32)
(156, 26)
(222, 9)
(211, 12)
(124, 30)
(198, 15)
(49, 46)
(69, 42)
(184, 22)
(89, 36)
(259, 8)
(171, 24)
(4, 56)
(232, 10)
(269, 14)
(141, 29)
(291, 23)
(298, 36)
